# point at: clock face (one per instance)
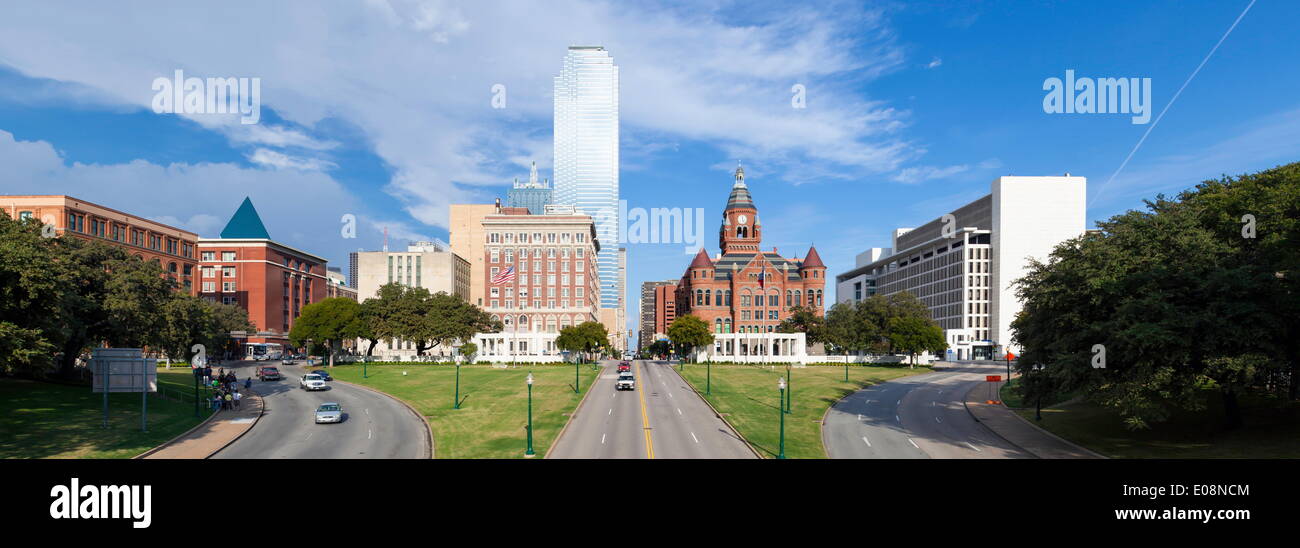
(742, 219)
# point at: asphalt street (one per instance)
(915, 418)
(374, 426)
(661, 418)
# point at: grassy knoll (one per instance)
(494, 404)
(46, 420)
(1272, 430)
(747, 396)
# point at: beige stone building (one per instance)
(467, 239)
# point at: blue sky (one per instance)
(382, 109)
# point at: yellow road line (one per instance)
(645, 417)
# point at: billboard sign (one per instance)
(124, 369)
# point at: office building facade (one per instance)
(962, 264)
(534, 195)
(587, 151)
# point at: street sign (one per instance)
(993, 378)
(125, 369)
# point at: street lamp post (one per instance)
(708, 378)
(530, 452)
(456, 402)
(576, 389)
(790, 389)
(196, 390)
(780, 385)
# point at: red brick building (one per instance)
(270, 280)
(170, 247)
(744, 289)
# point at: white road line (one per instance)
(900, 402)
(697, 440)
(369, 433)
(611, 411)
(602, 439)
(909, 440)
(937, 419)
(864, 438)
(367, 411)
(973, 447)
(897, 419)
(679, 411)
(670, 394)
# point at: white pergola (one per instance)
(756, 348)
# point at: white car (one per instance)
(625, 382)
(312, 382)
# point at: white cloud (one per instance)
(913, 175)
(415, 78)
(279, 160)
(934, 63)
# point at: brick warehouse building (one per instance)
(270, 280)
(745, 290)
(170, 247)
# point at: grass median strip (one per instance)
(747, 395)
(494, 403)
(47, 420)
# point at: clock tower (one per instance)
(741, 231)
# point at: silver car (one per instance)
(329, 412)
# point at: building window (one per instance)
(208, 287)
(227, 255)
(228, 272)
(227, 287)
(207, 256)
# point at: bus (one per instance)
(263, 351)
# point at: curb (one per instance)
(565, 428)
(966, 406)
(719, 415)
(260, 412)
(181, 435)
(427, 425)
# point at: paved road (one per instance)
(374, 427)
(915, 418)
(662, 418)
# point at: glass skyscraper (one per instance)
(586, 152)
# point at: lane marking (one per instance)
(900, 402)
(973, 447)
(937, 419)
(369, 433)
(367, 411)
(670, 394)
(897, 419)
(679, 411)
(697, 440)
(602, 439)
(909, 440)
(645, 416)
(611, 412)
(864, 438)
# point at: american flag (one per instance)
(761, 276)
(506, 276)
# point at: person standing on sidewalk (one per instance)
(228, 400)
(238, 396)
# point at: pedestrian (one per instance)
(228, 400)
(216, 402)
(238, 397)
(248, 383)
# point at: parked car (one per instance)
(625, 382)
(329, 412)
(312, 382)
(268, 373)
(323, 374)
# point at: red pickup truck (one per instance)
(624, 366)
(267, 372)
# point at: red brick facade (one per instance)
(271, 281)
(744, 289)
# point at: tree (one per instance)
(468, 350)
(804, 319)
(226, 319)
(844, 332)
(659, 348)
(913, 335)
(29, 297)
(586, 338)
(690, 332)
(376, 317)
(1174, 298)
(186, 321)
(329, 321)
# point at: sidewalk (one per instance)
(214, 434)
(1020, 432)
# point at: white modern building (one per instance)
(963, 263)
(586, 152)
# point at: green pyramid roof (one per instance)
(245, 223)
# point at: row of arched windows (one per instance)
(549, 324)
(722, 297)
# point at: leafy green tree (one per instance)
(187, 321)
(29, 297)
(376, 319)
(226, 319)
(804, 319)
(690, 332)
(468, 349)
(659, 348)
(328, 321)
(585, 338)
(843, 331)
(913, 335)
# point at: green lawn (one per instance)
(494, 404)
(46, 420)
(1272, 430)
(747, 396)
